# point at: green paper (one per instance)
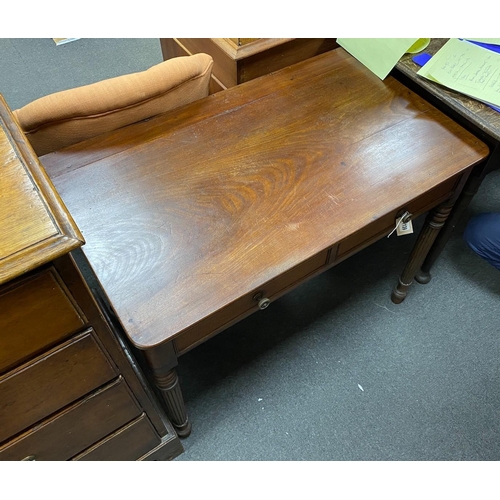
(379, 55)
(466, 68)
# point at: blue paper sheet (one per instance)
(489, 46)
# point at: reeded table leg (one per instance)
(162, 360)
(174, 402)
(433, 223)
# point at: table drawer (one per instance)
(35, 313)
(57, 378)
(247, 304)
(77, 427)
(385, 224)
(129, 443)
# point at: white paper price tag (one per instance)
(404, 227)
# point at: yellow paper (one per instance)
(380, 55)
(419, 45)
(466, 68)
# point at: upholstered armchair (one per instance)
(70, 116)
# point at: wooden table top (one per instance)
(191, 210)
(474, 111)
(34, 224)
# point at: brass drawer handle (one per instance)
(262, 302)
(29, 458)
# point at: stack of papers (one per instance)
(467, 68)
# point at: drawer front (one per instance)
(77, 427)
(247, 304)
(35, 314)
(38, 389)
(129, 443)
(385, 224)
(274, 58)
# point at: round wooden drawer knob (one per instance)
(262, 302)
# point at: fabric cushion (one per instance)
(70, 116)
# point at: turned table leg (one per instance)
(471, 187)
(433, 223)
(423, 274)
(162, 361)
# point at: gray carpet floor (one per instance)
(333, 370)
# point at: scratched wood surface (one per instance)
(188, 212)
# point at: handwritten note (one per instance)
(380, 55)
(466, 68)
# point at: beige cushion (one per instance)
(70, 116)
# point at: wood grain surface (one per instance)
(34, 224)
(187, 213)
(37, 227)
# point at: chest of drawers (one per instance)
(239, 60)
(69, 390)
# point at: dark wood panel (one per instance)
(39, 388)
(129, 443)
(35, 314)
(278, 57)
(77, 427)
(103, 325)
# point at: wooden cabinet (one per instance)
(69, 389)
(239, 60)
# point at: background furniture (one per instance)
(69, 389)
(263, 201)
(473, 115)
(238, 60)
